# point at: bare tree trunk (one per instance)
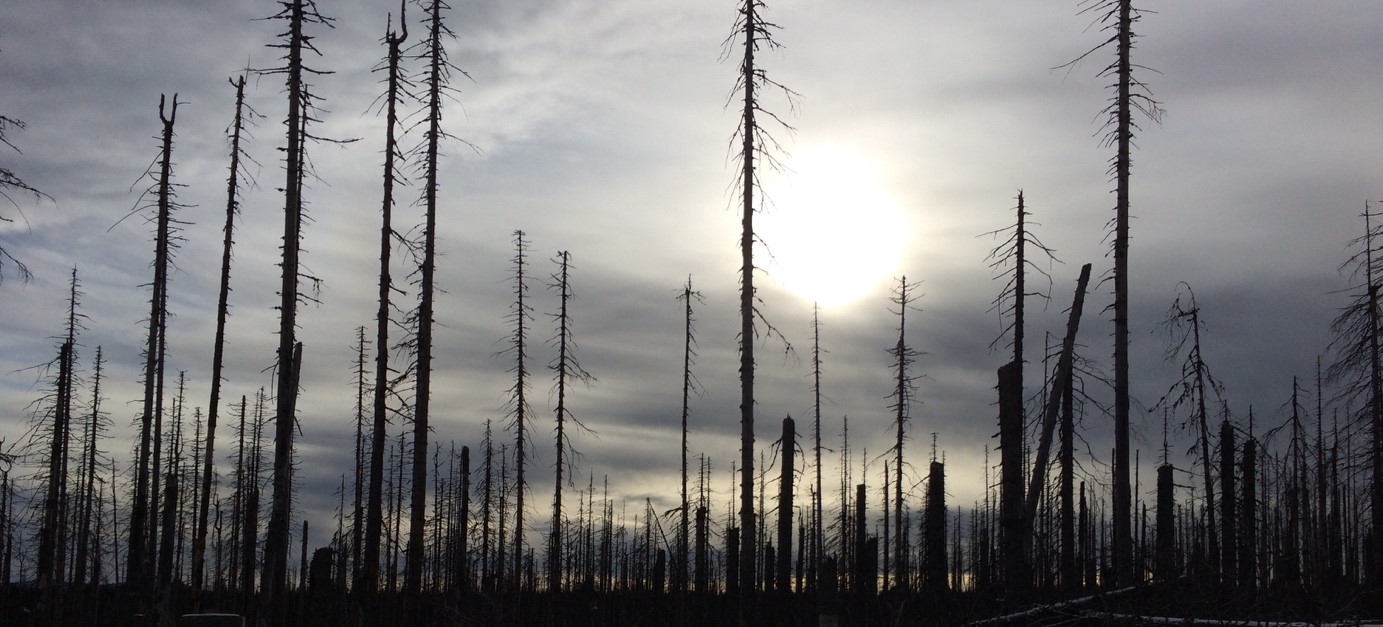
(49, 571)
(747, 180)
(218, 347)
(1070, 571)
(1065, 365)
(688, 354)
(358, 512)
(461, 570)
(934, 524)
(1228, 517)
(367, 583)
(904, 357)
(1248, 554)
(818, 543)
(1013, 513)
(566, 366)
(436, 82)
(519, 409)
(1123, 540)
(273, 581)
(785, 481)
(88, 488)
(137, 559)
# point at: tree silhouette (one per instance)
(1118, 18)
(243, 113)
(368, 576)
(521, 317)
(757, 148)
(1183, 329)
(565, 367)
(1357, 368)
(139, 558)
(298, 14)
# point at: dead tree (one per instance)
(1228, 516)
(1248, 554)
(1183, 329)
(757, 148)
(367, 578)
(51, 548)
(565, 367)
(1063, 376)
(904, 387)
(1130, 94)
(934, 529)
(517, 406)
(358, 513)
(242, 111)
(689, 386)
(87, 497)
(1357, 370)
(298, 14)
(1013, 515)
(1010, 261)
(785, 480)
(435, 80)
(818, 540)
(139, 560)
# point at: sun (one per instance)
(831, 233)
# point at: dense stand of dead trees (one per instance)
(1278, 510)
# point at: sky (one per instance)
(602, 128)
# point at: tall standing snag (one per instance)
(218, 348)
(689, 385)
(1357, 369)
(903, 390)
(298, 14)
(367, 581)
(565, 367)
(436, 77)
(1183, 326)
(521, 316)
(1130, 94)
(138, 561)
(756, 147)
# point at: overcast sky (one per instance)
(601, 127)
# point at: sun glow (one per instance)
(832, 233)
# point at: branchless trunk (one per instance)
(1013, 513)
(785, 496)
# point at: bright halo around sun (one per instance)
(832, 234)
